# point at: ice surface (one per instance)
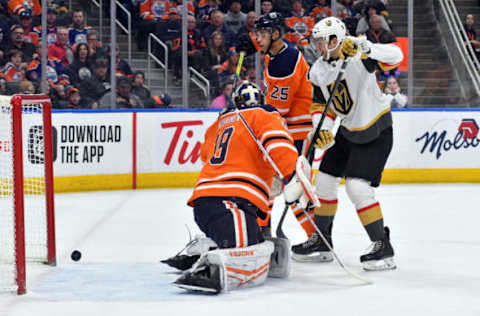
(123, 234)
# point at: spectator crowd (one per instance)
(78, 63)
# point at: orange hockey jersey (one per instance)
(235, 166)
(289, 90)
(300, 27)
(17, 6)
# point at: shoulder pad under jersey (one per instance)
(283, 64)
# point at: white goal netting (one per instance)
(35, 218)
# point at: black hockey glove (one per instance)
(245, 44)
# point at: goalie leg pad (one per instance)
(238, 267)
(280, 261)
(228, 269)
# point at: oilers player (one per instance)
(362, 144)
(288, 88)
(233, 186)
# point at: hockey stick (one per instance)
(250, 131)
(311, 146)
(345, 268)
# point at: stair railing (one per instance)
(455, 27)
(464, 33)
(150, 56)
(197, 79)
(127, 30)
(99, 4)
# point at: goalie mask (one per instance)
(324, 31)
(247, 94)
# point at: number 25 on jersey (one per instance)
(279, 93)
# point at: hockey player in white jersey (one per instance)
(360, 149)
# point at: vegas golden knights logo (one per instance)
(342, 100)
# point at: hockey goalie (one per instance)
(233, 186)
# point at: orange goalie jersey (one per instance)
(235, 166)
(289, 90)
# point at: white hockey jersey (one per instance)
(364, 110)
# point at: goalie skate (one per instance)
(379, 256)
(313, 250)
(192, 251)
(203, 278)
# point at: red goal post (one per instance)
(27, 224)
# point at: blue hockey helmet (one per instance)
(247, 94)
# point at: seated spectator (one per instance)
(64, 18)
(94, 88)
(204, 10)
(96, 49)
(235, 18)
(122, 66)
(151, 12)
(125, 98)
(51, 26)
(364, 22)
(78, 32)
(320, 10)
(266, 6)
(170, 32)
(472, 34)
(15, 7)
(17, 42)
(25, 19)
(26, 87)
(57, 73)
(377, 34)
(61, 49)
(249, 26)
(4, 40)
(399, 100)
(141, 90)
(14, 70)
(75, 100)
(228, 68)
(215, 56)
(178, 4)
(80, 67)
(299, 24)
(196, 44)
(217, 25)
(224, 100)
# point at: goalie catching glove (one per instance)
(300, 189)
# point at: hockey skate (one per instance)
(186, 257)
(204, 278)
(379, 256)
(313, 250)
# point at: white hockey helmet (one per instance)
(326, 28)
(247, 94)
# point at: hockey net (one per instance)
(26, 188)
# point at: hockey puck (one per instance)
(76, 255)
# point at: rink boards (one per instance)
(103, 150)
